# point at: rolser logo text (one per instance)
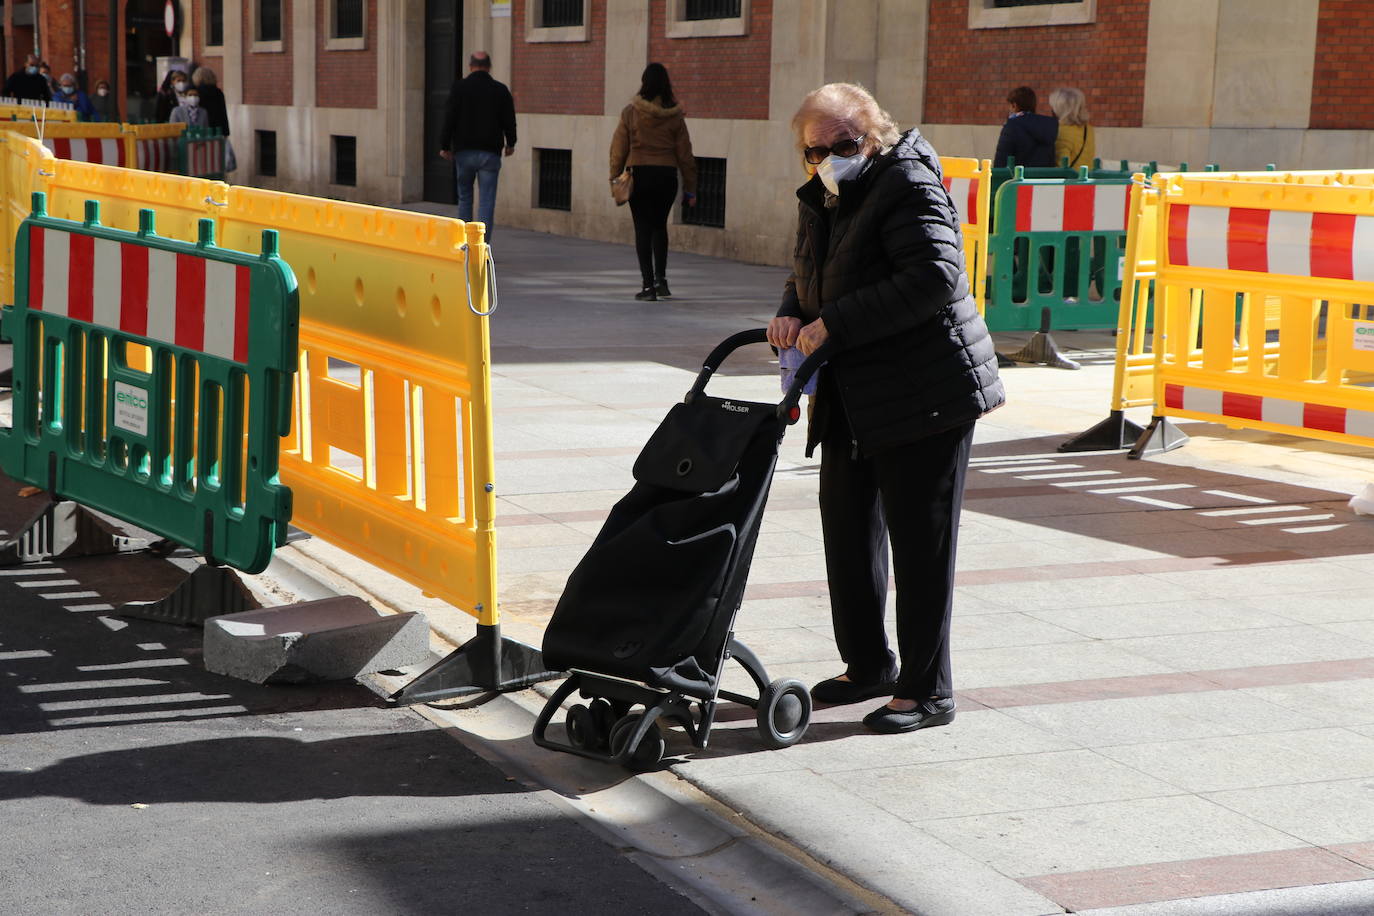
(726, 405)
(132, 400)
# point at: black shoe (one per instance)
(662, 290)
(647, 294)
(928, 713)
(836, 692)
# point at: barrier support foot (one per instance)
(62, 529)
(1159, 436)
(6, 378)
(1041, 348)
(1112, 434)
(486, 663)
(210, 591)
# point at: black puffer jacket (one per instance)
(912, 357)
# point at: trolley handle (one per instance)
(788, 411)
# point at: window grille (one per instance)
(560, 13)
(712, 9)
(710, 205)
(349, 16)
(555, 179)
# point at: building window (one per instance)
(345, 160)
(553, 190)
(1010, 14)
(267, 23)
(267, 153)
(707, 18)
(347, 25)
(555, 20)
(712, 9)
(710, 206)
(214, 23)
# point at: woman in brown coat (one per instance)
(652, 141)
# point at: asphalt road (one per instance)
(133, 781)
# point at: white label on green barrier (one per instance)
(1121, 267)
(131, 409)
(1364, 335)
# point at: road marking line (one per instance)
(1257, 510)
(151, 646)
(203, 712)
(90, 685)
(64, 596)
(1093, 483)
(156, 700)
(1021, 469)
(1069, 474)
(24, 653)
(114, 624)
(1240, 496)
(145, 663)
(47, 583)
(34, 571)
(1288, 519)
(1145, 489)
(1161, 503)
(1314, 529)
(88, 607)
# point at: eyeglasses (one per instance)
(844, 149)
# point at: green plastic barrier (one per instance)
(153, 380)
(1057, 243)
(201, 153)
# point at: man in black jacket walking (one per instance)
(479, 125)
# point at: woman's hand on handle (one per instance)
(812, 336)
(783, 330)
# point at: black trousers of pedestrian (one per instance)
(650, 203)
(910, 495)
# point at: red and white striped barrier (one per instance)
(1302, 244)
(193, 302)
(1072, 207)
(205, 157)
(158, 155)
(1279, 411)
(964, 193)
(99, 150)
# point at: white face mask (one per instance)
(179, 85)
(835, 169)
(192, 100)
(102, 91)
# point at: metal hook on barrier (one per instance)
(212, 201)
(491, 281)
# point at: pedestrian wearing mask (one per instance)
(27, 84)
(213, 104)
(68, 92)
(106, 108)
(879, 275)
(169, 95)
(189, 111)
(651, 140)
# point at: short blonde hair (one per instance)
(204, 76)
(1069, 106)
(851, 105)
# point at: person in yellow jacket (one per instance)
(652, 141)
(1075, 141)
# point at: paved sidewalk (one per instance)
(1165, 668)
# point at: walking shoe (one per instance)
(927, 713)
(836, 692)
(662, 290)
(647, 294)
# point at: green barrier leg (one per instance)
(487, 663)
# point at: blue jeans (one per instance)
(486, 168)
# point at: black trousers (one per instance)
(910, 495)
(650, 203)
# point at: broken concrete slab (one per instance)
(327, 640)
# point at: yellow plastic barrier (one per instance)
(393, 460)
(41, 114)
(180, 202)
(25, 167)
(1308, 249)
(969, 183)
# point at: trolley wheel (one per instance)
(603, 716)
(581, 726)
(651, 746)
(784, 712)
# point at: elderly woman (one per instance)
(1074, 141)
(879, 275)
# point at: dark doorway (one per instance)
(145, 40)
(443, 44)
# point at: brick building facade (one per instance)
(343, 98)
